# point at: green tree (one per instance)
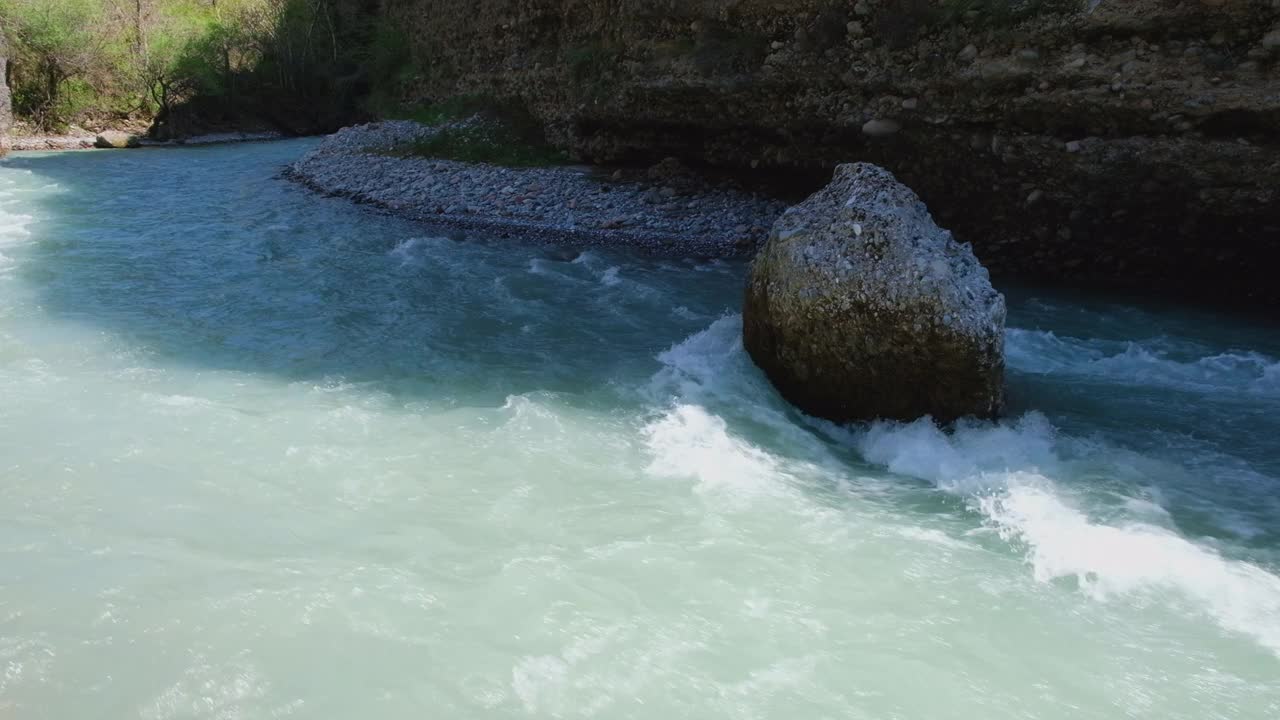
(54, 43)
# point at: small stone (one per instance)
(855, 29)
(776, 45)
(1035, 197)
(1074, 146)
(1029, 55)
(910, 104)
(968, 54)
(861, 8)
(1271, 41)
(617, 175)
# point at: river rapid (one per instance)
(265, 454)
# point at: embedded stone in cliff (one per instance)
(880, 127)
(860, 307)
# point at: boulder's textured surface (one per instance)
(1146, 131)
(6, 108)
(860, 307)
(116, 139)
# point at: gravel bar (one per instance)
(664, 210)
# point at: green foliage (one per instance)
(487, 143)
(483, 129)
(55, 47)
(302, 63)
(390, 68)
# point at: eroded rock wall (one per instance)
(6, 105)
(1137, 144)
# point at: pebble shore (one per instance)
(663, 210)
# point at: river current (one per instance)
(265, 454)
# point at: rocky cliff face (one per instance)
(6, 108)
(1136, 143)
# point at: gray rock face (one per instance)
(860, 307)
(6, 108)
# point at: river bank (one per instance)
(86, 140)
(665, 209)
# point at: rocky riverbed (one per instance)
(664, 209)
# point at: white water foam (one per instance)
(13, 223)
(707, 381)
(691, 442)
(1011, 474)
(1042, 352)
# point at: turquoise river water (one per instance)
(264, 454)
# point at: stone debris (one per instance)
(664, 210)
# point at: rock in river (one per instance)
(115, 139)
(860, 307)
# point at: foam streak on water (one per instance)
(265, 455)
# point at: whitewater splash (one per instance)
(1043, 352)
(13, 221)
(1011, 473)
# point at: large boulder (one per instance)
(860, 307)
(116, 139)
